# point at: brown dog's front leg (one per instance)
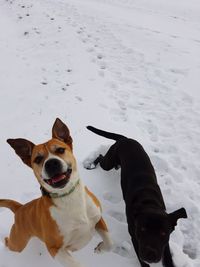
(64, 257)
(106, 244)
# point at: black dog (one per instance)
(148, 223)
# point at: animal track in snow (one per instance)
(151, 129)
(109, 196)
(119, 216)
(124, 249)
(160, 164)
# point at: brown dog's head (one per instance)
(52, 162)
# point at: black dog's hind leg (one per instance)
(98, 160)
(92, 165)
(167, 257)
(107, 162)
(110, 160)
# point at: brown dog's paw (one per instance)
(6, 241)
(99, 248)
(102, 247)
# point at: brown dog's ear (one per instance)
(23, 148)
(61, 132)
(174, 216)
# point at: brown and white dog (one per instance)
(67, 215)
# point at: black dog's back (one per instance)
(127, 152)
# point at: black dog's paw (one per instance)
(117, 167)
(89, 165)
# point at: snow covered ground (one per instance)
(127, 66)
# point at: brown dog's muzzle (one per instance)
(57, 178)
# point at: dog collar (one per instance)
(57, 195)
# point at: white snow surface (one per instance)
(126, 66)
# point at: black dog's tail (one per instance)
(108, 135)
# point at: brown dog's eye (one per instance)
(60, 150)
(38, 159)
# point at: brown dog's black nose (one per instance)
(53, 167)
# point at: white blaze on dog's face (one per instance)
(52, 162)
(54, 165)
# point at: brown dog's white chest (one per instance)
(76, 216)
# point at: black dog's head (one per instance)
(152, 231)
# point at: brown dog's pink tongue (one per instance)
(58, 178)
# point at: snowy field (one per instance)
(127, 66)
